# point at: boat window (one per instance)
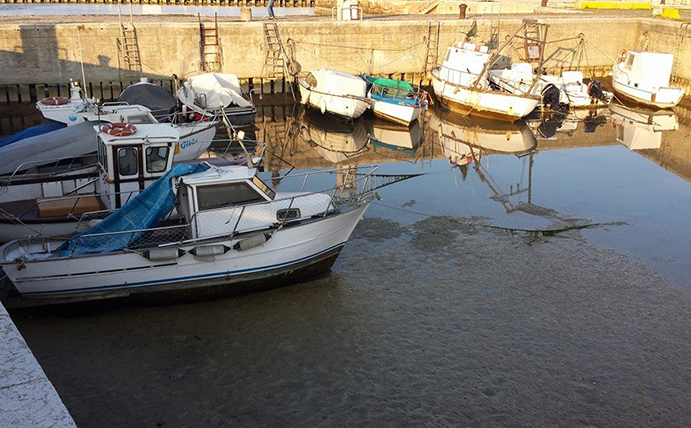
(629, 60)
(127, 161)
(223, 195)
(139, 119)
(156, 159)
(263, 187)
(102, 158)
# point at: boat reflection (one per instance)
(640, 128)
(463, 139)
(335, 140)
(396, 137)
(553, 125)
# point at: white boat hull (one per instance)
(195, 139)
(483, 103)
(124, 273)
(351, 108)
(656, 97)
(399, 113)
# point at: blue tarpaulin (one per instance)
(144, 211)
(41, 129)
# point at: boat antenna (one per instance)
(81, 59)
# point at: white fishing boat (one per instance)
(334, 92)
(54, 201)
(393, 100)
(234, 233)
(214, 95)
(195, 136)
(461, 83)
(639, 128)
(644, 77)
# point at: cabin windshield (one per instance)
(141, 119)
(263, 187)
(156, 159)
(227, 194)
(394, 92)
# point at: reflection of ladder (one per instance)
(681, 35)
(533, 42)
(432, 42)
(209, 45)
(129, 46)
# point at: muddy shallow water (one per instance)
(445, 307)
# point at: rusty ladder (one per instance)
(432, 47)
(210, 45)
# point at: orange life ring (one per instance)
(119, 129)
(54, 101)
(622, 56)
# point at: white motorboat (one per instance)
(334, 92)
(567, 89)
(644, 77)
(462, 83)
(214, 95)
(195, 137)
(639, 129)
(234, 233)
(393, 100)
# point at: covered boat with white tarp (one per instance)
(213, 94)
(334, 92)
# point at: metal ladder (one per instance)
(533, 40)
(210, 45)
(274, 62)
(495, 26)
(681, 35)
(432, 46)
(128, 45)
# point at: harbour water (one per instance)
(532, 274)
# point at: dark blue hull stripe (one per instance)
(184, 278)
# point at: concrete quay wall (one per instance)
(52, 53)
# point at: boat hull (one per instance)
(350, 108)
(489, 104)
(664, 98)
(399, 113)
(195, 139)
(290, 252)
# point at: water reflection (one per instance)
(405, 139)
(336, 141)
(639, 128)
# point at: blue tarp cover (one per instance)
(41, 129)
(144, 211)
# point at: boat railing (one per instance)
(49, 168)
(352, 187)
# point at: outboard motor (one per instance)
(592, 122)
(551, 96)
(595, 90)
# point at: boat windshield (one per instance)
(387, 91)
(263, 187)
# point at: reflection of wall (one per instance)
(675, 152)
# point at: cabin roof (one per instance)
(220, 175)
(154, 133)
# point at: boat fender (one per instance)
(251, 242)
(209, 252)
(622, 56)
(322, 106)
(54, 101)
(163, 254)
(119, 129)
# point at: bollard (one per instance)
(544, 3)
(246, 14)
(461, 10)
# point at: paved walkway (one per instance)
(27, 397)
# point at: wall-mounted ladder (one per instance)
(678, 47)
(432, 47)
(534, 36)
(210, 45)
(128, 45)
(276, 61)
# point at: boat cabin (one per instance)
(463, 63)
(132, 162)
(227, 200)
(647, 69)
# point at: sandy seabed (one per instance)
(443, 322)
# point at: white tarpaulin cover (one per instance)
(213, 90)
(67, 142)
(338, 83)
